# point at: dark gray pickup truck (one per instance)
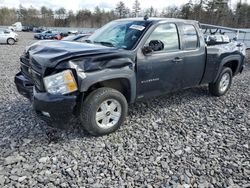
(124, 61)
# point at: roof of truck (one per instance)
(156, 19)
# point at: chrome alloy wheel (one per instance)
(224, 82)
(108, 113)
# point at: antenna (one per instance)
(146, 17)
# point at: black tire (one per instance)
(11, 41)
(214, 88)
(91, 105)
(42, 37)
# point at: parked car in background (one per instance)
(49, 34)
(78, 38)
(16, 27)
(40, 29)
(73, 32)
(8, 37)
(60, 36)
(27, 28)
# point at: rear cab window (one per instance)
(190, 37)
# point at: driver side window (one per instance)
(6, 32)
(168, 35)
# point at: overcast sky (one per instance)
(90, 4)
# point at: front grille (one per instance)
(37, 80)
(25, 70)
(29, 70)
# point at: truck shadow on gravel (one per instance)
(174, 98)
(22, 122)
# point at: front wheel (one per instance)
(103, 111)
(223, 83)
(11, 41)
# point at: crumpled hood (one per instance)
(49, 53)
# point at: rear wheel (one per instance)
(11, 41)
(223, 83)
(103, 111)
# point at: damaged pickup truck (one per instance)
(124, 61)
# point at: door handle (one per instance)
(177, 59)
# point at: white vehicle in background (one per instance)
(16, 27)
(8, 37)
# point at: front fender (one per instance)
(86, 80)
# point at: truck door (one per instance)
(160, 71)
(194, 55)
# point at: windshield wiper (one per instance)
(104, 43)
(88, 41)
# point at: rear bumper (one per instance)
(56, 110)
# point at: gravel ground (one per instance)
(186, 139)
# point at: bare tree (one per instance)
(136, 9)
(121, 9)
(206, 11)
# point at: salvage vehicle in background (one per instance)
(8, 37)
(16, 27)
(124, 61)
(77, 38)
(40, 29)
(28, 28)
(60, 36)
(49, 34)
(217, 39)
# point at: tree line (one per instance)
(218, 12)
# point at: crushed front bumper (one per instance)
(56, 110)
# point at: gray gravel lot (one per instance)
(185, 139)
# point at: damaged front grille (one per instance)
(37, 80)
(31, 73)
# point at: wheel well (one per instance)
(233, 65)
(120, 84)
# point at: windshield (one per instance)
(120, 34)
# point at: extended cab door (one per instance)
(160, 71)
(194, 54)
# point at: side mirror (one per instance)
(239, 45)
(147, 50)
(154, 46)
